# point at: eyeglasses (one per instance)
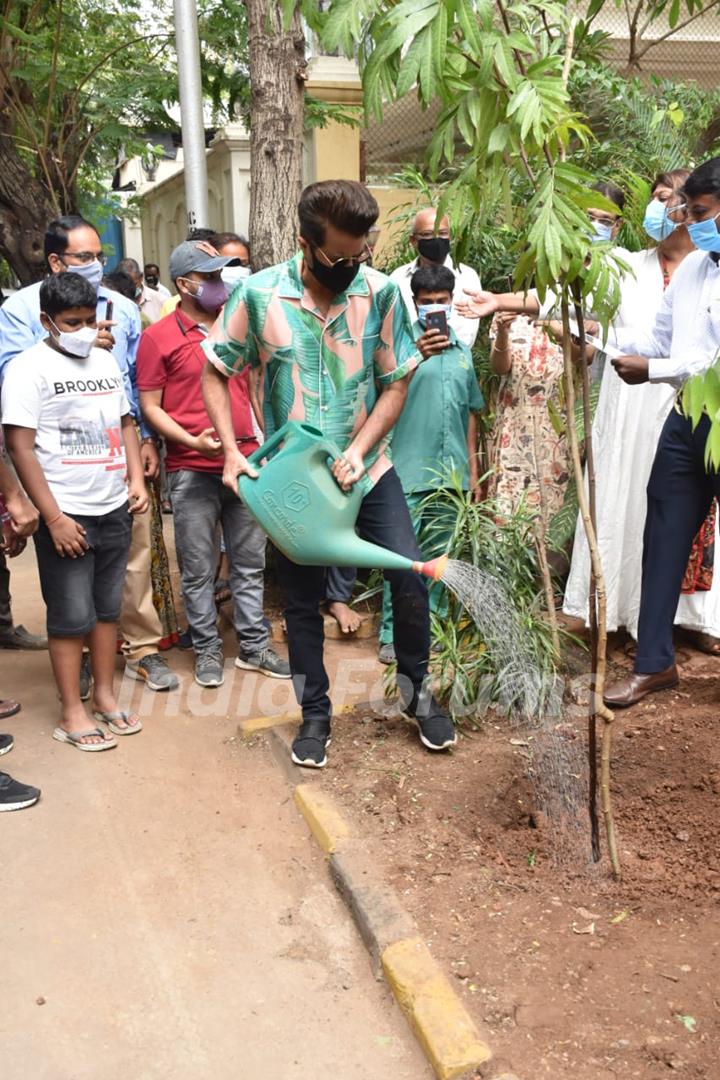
(353, 260)
(85, 256)
(680, 210)
(604, 219)
(444, 234)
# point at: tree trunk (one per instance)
(277, 81)
(25, 210)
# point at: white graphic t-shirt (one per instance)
(75, 406)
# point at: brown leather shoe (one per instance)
(633, 689)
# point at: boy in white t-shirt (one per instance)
(71, 438)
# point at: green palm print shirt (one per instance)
(324, 370)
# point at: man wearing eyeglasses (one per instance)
(432, 244)
(332, 339)
(684, 341)
(73, 244)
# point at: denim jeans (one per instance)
(201, 505)
(433, 527)
(383, 520)
(81, 592)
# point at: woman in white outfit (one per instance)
(626, 430)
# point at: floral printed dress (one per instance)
(527, 451)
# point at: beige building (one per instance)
(330, 152)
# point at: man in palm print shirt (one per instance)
(335, 347)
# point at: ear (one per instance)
(55, 263)
(45, 321)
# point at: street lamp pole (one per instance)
(191, 111)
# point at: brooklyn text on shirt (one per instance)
(89, 386)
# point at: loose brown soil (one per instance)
(570, 975)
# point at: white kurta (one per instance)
(626, 431)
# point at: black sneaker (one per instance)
(311, 743)
(437, 730)
(86, 677)
(267, 662)
(185, 639)
(6, 744)
(14, 795)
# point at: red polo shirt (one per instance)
(170, 359)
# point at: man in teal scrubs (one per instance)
(436, 433)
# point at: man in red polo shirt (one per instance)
(169, 365)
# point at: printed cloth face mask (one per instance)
(91, 271)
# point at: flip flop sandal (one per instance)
(74, 738)
(111, 718)
(8, 708)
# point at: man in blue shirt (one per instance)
(435, 440)
(72, 243)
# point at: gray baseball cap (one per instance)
(187, 257)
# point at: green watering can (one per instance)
(305, 512)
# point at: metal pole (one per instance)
(191, 112)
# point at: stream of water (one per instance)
(531, 700)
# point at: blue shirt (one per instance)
(20, 327)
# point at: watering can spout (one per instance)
(433, 569)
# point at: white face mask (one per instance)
(76, 342)
(233, 275)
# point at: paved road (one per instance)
(166, 907)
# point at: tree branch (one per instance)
(656, 41)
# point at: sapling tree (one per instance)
(499, 70)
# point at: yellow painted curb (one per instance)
(261, 723)
(442, 1025)
(326, 824)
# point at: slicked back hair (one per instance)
(346, 204)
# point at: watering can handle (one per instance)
(364, 483)
(267, 447)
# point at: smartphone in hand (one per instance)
(108, 309)
(437, 320)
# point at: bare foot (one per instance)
(74, 719)
(347, 619)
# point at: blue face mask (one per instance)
(423, 310)
(704, 234)
(602, 231)
(656, 222)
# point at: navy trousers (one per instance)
(384, 519)
(679, 494)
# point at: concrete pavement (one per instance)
(165, 915)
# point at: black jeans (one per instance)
(679, 494)
(384, 520)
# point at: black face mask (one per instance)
(336, 279)
(435, 250)
(151, 280)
